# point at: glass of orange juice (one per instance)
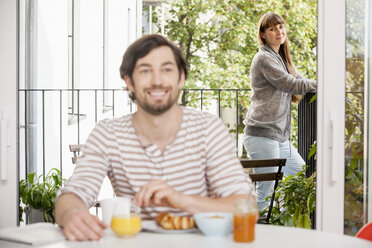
(126, 221)
(245, 213)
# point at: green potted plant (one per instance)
(294, 201)
(39, 195)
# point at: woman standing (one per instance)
(275, 85)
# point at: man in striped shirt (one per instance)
(165, 157)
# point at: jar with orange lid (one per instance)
(245, 214)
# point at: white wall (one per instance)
(8, 102)
(97, 54)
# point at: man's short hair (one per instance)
(144, 46)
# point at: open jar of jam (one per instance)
(245, 214)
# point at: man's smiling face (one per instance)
(156, 81)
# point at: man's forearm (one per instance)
(195, 204)
(66, 206)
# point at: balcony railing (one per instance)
(52, 119)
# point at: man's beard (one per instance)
(157, 108)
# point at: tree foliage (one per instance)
(219, 41)
(218, 38)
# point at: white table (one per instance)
(267, 236)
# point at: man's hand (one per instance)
(83, 226)
(159, 193)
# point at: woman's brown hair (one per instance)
(272, 19)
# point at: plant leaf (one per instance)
(296, 217)
(313, 98)
(30, 177)
(312, 150)
(286, 220)
(304, 221)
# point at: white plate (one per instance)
(150, 226)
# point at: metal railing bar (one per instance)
(43, 116)
(113, 104)
(127, 89)
(201, 99)
(78, 116)
(96, 106)
(26, 135)
(60, 133)
(217, 89)
(71, 89)
(219, 103)
(237, 119)
(26, 147)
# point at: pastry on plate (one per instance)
(171, 222)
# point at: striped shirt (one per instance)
(200, 161)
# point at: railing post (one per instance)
(43, 130)
(307, 136)
(78, 116)
(307, 130)
(237, 120)
(95, 106)
(60, 133)
(219, 103)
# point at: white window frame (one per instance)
(368, 123)
(331, 116)
(9, 175)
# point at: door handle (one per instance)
(334, 126)
(4, 145)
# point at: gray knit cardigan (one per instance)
(269, 114)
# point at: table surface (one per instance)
(266, 236)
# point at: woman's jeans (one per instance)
(265, 148)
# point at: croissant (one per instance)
(171, 222)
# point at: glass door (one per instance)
(356, 115)
(344, 126)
